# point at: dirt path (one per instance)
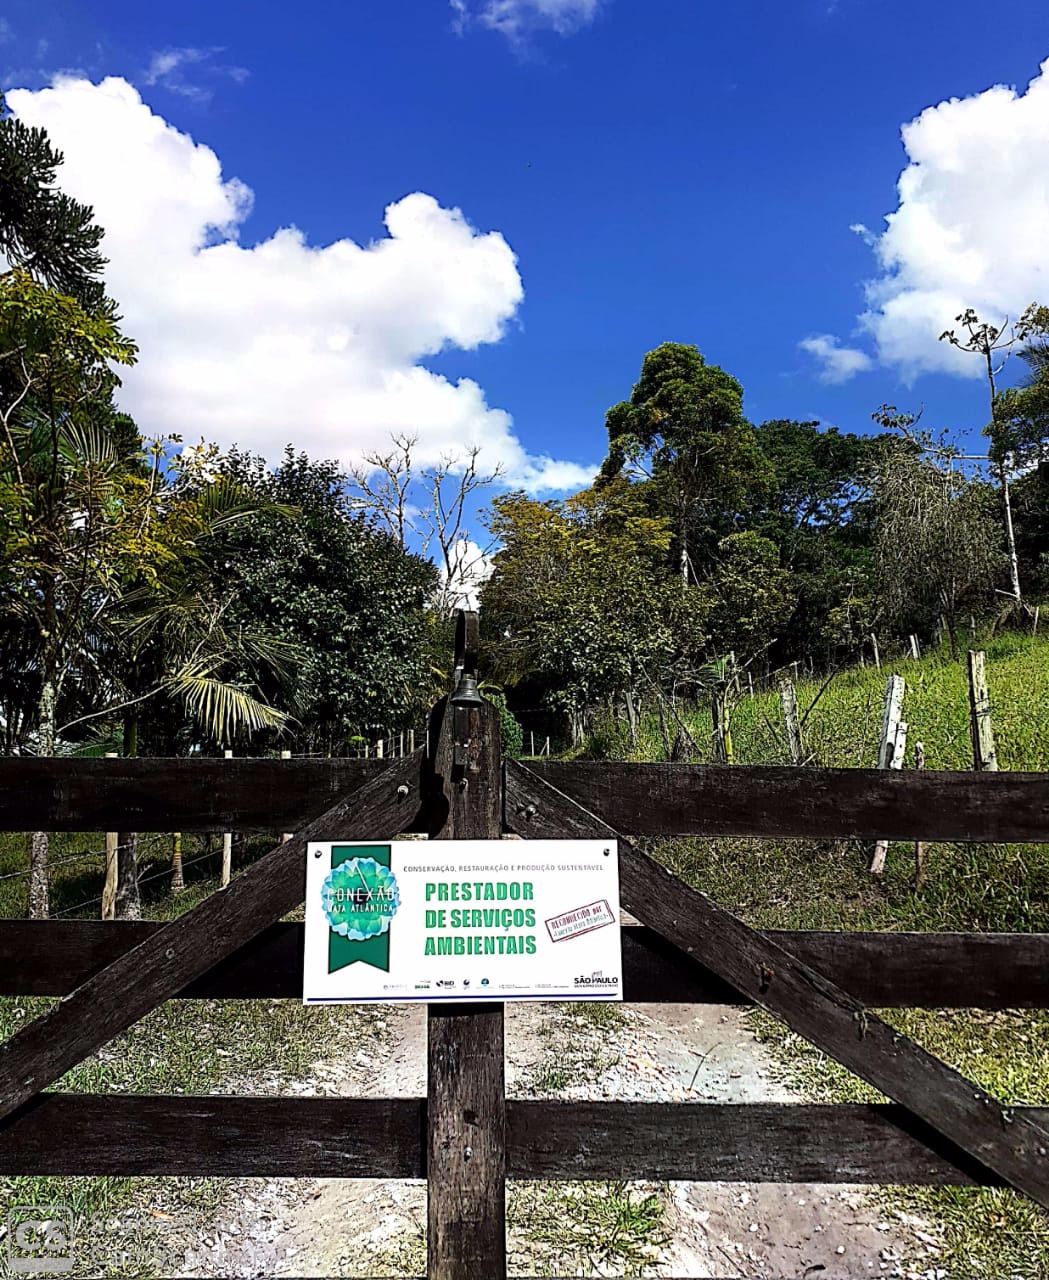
(684, 1053)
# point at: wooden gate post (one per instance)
(466, 1092)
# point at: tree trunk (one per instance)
(664, 736)
(40, 841)
(631, 715)
(1007, 505)
(128, 902)
(952, 635)
(1010, 538)
(683, 534)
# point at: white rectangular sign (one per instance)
(462, 920)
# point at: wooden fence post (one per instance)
(919, 845)
(178, 881)
(985, 757)
(877, 655)
(891, 749)
(916, 652)
(892, 709)
(286, 836)
(789, 698)
(720, 713)
(109, 889)
(227, 846)
(466, 1093)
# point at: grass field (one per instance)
(826, 885)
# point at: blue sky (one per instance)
(675, 170)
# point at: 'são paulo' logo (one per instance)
(360, 898)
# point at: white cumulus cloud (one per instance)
(837, 363)
(283, 341)
(516, 18)
(971, 228)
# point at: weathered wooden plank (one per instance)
(73, 1135)
(190, 945)
(466, 1148)
(1013, 1146)
(68, 1134)
(746, 800)
(883, 970)
(638, 799)
(173, 794)
(751, 1142)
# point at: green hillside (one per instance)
(802, 884)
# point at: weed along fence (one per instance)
(466, 1137)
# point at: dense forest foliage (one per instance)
(705, 539)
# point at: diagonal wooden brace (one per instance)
(147, 975)
(1012, 1145)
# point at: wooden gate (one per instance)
(465, 1136)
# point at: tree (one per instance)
(817, 512)
(43, 232)
(820, 477)
(1022, 413)
(750, 595)
(95, 538)
(579, 598)
(936, 542)
(429, 506)
(341, 592)
(169, 638)
(993, 343)
(684, 432)
(59, 339)
(68, 522)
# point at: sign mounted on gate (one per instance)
(462, 920)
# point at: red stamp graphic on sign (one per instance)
(595, 915)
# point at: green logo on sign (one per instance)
(360, 898)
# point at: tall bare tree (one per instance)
(430, 505)
(993, 344)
